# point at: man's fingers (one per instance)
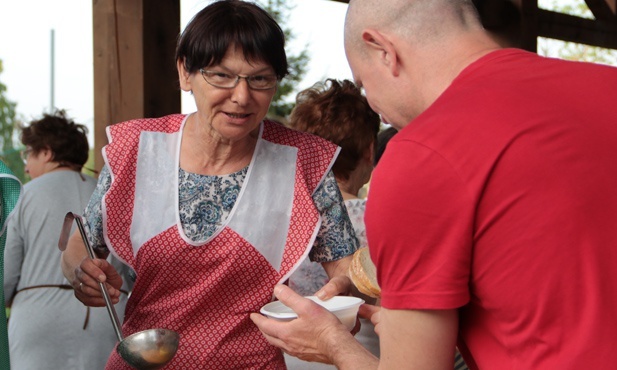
(268, 328)
(367, 311)
(259, 319)
(286, 295)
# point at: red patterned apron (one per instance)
(206, 291)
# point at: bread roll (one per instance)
(362, 273)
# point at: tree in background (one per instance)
(281, 106)
(8, 121)
(571, 50)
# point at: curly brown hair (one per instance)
(338, 112)
(67, 140)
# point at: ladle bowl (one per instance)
(144, 350)
(149, 349)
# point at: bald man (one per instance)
(491, 216)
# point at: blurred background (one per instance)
(46, 57)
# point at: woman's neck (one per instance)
(203, 153)
(56, 166)
(348, 191)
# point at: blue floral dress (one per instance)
(206, 201)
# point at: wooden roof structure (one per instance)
(134, 45)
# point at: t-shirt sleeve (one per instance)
(419, 221)
(336, 238)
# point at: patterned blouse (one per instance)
(206, 201)
(310, 276)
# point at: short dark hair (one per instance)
(232, 23)
(338, 112)
(67, 140)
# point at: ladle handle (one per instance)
(110, 307)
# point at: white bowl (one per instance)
(344, 307)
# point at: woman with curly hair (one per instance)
(338, 112)
(48, 327)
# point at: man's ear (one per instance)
(381, 44)
(183, 76)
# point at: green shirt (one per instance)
(10, 190)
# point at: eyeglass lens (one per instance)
(228, 80)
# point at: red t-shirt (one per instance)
(501, 199)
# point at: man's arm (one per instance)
(409, 339)
(417, 339)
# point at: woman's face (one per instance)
(37, 163)
(233, 113)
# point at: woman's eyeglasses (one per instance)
(25, 154)
(229, 80)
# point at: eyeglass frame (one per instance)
(25, 153)
(238, 77)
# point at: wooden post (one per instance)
(529, 24)
(134, 70)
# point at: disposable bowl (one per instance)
(344, 307)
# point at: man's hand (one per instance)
(372, 313)
(312, 336)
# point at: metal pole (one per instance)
(52, 103)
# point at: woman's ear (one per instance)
(183, 76)
(46, 155)
(381, 45)
(370, 153)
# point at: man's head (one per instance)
(404, 53)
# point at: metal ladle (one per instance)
(148, 349)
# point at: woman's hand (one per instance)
(86, 282)
(338, 285)
(84, 274)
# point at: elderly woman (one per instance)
(48, 328)
(213, 209)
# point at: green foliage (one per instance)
(577, 8)
(281, 105)
(89, 165)
(8, 121)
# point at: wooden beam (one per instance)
(502, 19)
(574, 29)
(134, 71)
(603, 10)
